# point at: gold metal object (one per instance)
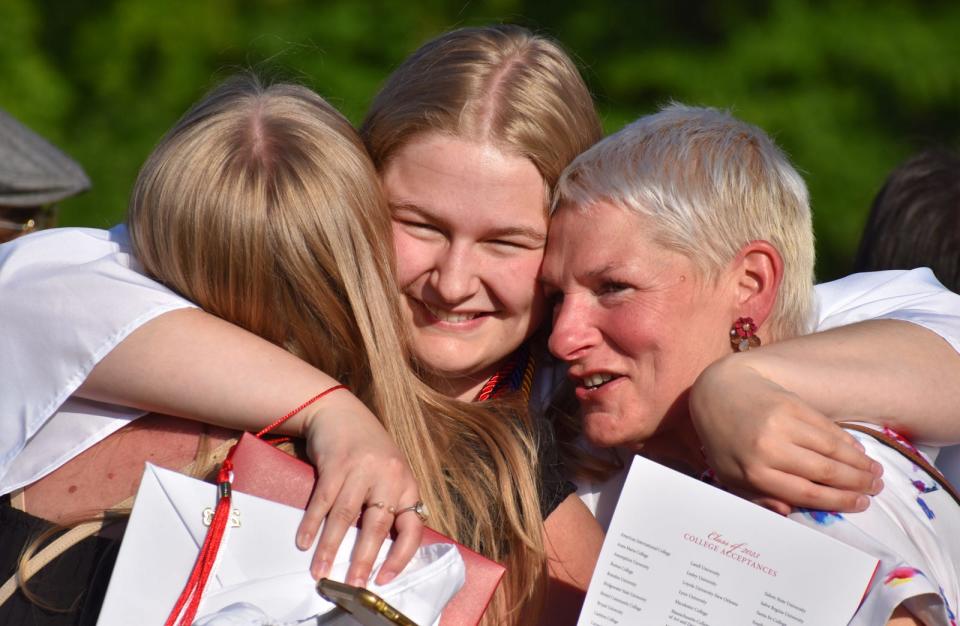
(365, 606)
(234, 517)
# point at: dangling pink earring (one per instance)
(743, 334)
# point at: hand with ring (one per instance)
(360, 471)
(417, 507)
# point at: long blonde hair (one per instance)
(501, 84)
(522, 93)
(262, 206)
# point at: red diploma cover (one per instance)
(264, 471)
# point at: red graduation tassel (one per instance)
(189, 600)
(193, 591)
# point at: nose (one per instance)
(573, 331)
(455, 276)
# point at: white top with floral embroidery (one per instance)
(913, 528)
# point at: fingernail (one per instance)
(320, 569)
(304, 540)
(862, 503)
(859, 446)
(877, 486)
(356, 581)
(877, 469)
(385, 577)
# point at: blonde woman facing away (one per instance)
(262, 206)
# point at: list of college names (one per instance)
(620, 588)
(682, 553)
(627, 593)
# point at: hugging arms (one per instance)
(468, 243)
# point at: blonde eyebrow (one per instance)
(600, 271)
(404, 205)
(537, 236)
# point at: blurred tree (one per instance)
(848, 88)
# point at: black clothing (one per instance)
(77, 579)
(554, 486)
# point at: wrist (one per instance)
(337, 402)
(716, 381)
(296, 420)
(724, 380)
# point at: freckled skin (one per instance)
(109, 472)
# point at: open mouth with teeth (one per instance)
(595, 381)
(450, 317)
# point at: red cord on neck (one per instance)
(189, 600)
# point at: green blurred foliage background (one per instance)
(849, 89)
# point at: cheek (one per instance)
(637, 335)
(537, 306)
(412, 255)
(683, 355)
(517, 285)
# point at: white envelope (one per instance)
(259, 569)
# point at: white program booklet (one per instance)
(681, 552)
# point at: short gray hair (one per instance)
(711, 184)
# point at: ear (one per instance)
(757, 271)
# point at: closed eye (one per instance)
(516, 238)
(516, 245)
(419, 226)
(612, 288)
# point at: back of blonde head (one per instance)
(262, 206)
(710, 184)
(236, 209)
(498, 84)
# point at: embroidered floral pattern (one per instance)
(901, 575)
(822, 518)
(913, 505)
(925, 508)
(889, 432)
(946, 605)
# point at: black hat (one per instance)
(32, 171)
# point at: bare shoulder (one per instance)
(572, 542)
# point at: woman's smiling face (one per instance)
(635, 321)
(469, 227)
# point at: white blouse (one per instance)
(912, 528)
(68, 296)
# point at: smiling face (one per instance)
(469, 228)
(634, 320)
